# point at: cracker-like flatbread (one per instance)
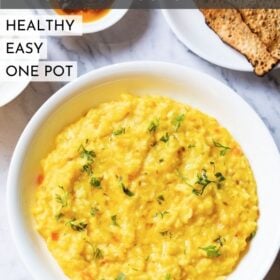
(231, 28)
(266, 24)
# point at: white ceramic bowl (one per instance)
(180, 83)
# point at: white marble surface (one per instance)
(141, 35)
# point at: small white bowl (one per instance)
(142, 78)
(104, 22)
(10, 90)
(113, 16)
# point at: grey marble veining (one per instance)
(140, 35)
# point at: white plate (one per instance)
(190, 28)
(142, 78)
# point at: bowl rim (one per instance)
(108, 20)
(66, 93)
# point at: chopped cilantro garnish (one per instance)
(93, 211)
(153, 126)
(177, 121)
(203, 181)
(125, 189)
(220, 178)
(223, 149)
(89, 155)
(165, 138)
(87, 168)
(212, 251)
(161, 214)
(160, 199)
(95, 182)
(98, 254)
(114, 220)
(62, 198)
(77, 226)
(119, 131)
